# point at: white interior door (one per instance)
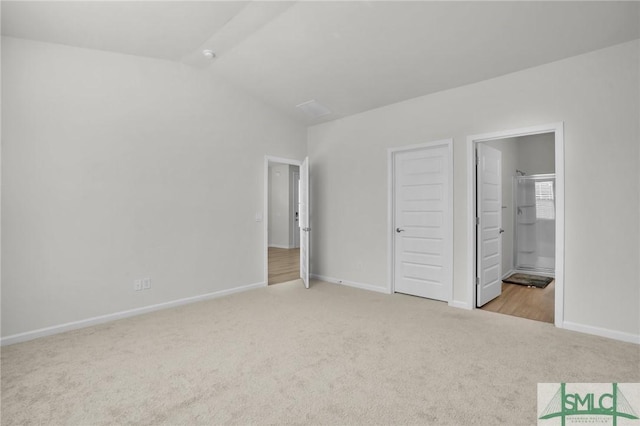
(489, 229)
(423, 223)
(303, 210)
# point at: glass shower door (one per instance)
(535, 223)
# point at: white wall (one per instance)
(536, 154)
(279, 210)
(117, 167)
(595, 95)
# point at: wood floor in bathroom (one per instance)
(525, 302)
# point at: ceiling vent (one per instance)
(314, 109)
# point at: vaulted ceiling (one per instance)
(351, 56)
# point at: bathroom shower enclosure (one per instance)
(535, 223)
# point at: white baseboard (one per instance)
(350, 283)
(280, 246)
(507, 274)
(459, 304)
(56, 329)
(525, 271)
(602, 332)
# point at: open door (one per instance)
(303, 202)
(489, 224)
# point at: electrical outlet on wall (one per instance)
(146, 283)
(137, 285)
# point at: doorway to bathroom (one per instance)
(515, 232)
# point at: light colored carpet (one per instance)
(286, 355)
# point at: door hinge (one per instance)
(477, 280)
(477, 160)
(477, 221)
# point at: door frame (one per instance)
(391, 246)
(558, 130)
(268, 159)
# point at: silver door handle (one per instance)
(306, 229)
(501, 230)
(398, 230)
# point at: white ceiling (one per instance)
(351, 56)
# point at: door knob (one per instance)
(501, 230)
(398, 230)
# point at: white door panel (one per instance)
(422, 222)
(422, 219)
(489, 232)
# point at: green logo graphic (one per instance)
(612, 404)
